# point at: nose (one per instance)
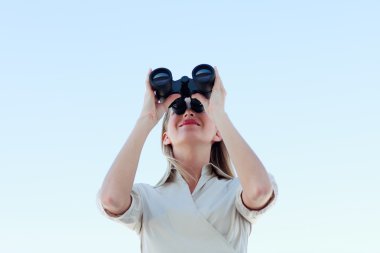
(188, 113)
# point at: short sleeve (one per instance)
(132, 218)
(251, 215)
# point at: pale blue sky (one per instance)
(303, 89)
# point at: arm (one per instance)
(120, 177)
(256, 184)
(257, 188)
(119, 180)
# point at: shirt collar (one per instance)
(207, 169)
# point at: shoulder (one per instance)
(231, 183)
(143, 187)
(151, 191)
(224, 186)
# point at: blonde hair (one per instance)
(219, 156)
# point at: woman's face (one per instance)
(191, 128)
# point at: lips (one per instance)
(189, 122)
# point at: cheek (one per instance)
(211, 129)
(171, 127)
(209, 124)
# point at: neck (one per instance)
(192, 158)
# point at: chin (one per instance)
(192, 139)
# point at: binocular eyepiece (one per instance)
(180, 105)
(163, 85)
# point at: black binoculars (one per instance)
(163, 85)
(161, 81)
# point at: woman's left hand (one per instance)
(215, 104)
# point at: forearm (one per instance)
(118, 182)
(252, 174)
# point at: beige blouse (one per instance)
(170, 219)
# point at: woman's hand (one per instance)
(152, 109)
(215, 104)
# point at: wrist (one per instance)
(218, 114)
(219, 117)
(146, 121)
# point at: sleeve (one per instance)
(251, 215)
(132, 218)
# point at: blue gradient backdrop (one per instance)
(303, 89)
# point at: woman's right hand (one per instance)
(152, 109)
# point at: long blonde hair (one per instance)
(219, 156)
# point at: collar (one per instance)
(207, 169)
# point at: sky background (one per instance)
(303, 89)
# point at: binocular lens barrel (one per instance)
(161, 82)
(203, 75)
(161, 77)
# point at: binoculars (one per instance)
(163, 85)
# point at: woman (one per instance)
(198, 206)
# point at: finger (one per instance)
(148, 87)
(216, 71)
(217, 78)
(147, 82)
(220, 83)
